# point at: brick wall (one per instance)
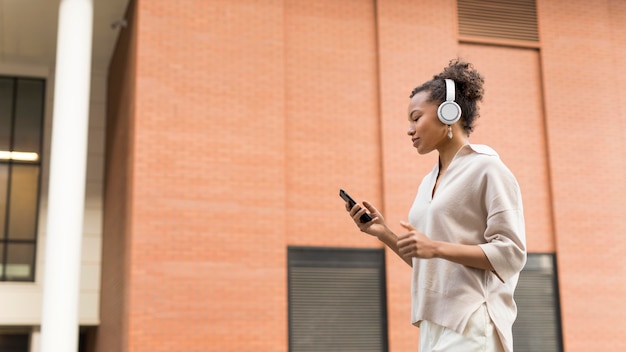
(248, 117)
(208, 252)
(583, 59)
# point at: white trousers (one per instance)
(479, 335)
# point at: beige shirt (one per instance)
(477, 202)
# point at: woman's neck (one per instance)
(449, 150)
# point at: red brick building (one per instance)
(231, 126)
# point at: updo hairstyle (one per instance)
(469, 90)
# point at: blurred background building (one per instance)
(220, 132)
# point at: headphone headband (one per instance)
(450, 91)
(449, 112)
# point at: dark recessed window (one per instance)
(12, 342)
(21, 129)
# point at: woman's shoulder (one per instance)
(487, 160)
(480, 156)
(483, 149)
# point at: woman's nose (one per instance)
(410, 131)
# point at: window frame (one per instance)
(5, 241)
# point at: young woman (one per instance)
(465, 236)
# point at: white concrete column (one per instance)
(35, 337)
(68, 159)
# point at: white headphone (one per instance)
(449, 112)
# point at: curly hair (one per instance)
(468, 86)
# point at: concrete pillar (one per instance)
(68, 159)
(35, 337)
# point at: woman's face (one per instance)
(425, 129)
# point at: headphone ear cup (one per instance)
(449, 112)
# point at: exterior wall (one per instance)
(234, 131)
(208, 196)
(112, 333)
(583, 78)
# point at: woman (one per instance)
(465, 236)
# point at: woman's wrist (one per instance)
(387, 236)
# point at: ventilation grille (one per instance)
(498, 19)
(336, 300)
(537, 327)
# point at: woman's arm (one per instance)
(377, 227)
(416, 244)
(391, 240)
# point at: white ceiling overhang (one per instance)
(28, 31)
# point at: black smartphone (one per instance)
(345, 196)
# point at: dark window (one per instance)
(86, 339)
(14, 342)
(538, 324)
(509, 21)
(337, 300)
(21, 128)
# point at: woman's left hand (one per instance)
(415, 244)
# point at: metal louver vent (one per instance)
(336, 300)
(498, 19)
(537, 327)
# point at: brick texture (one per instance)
(235, 123)
(583, 56)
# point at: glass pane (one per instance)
(23, 201)
(28, 116)
(14, 342)
(20, 260)
(4, 182)
(6, 106)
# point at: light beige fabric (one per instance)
(477, 202)
(480, 335)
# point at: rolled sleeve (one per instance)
(506, 243)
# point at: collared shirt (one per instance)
(477, 202)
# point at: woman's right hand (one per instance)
(375, 227)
